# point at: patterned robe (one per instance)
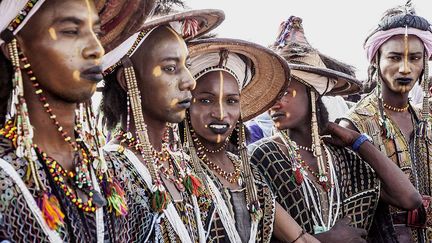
(413, 157)
(359, 187)
(158, 228)
(237, 207)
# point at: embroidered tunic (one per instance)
(413, 157)
(158, 228)
(236, 202)
(358, 186)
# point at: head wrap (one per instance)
(222, 61)
(14, 15)
(378, 38)
(400, 20)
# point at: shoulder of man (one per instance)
(262, 144)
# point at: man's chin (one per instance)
(176, 117)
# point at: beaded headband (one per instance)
(16, 13)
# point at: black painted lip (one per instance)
(217, 130)
(184, 103)
(93, 73)
(404, 81)
(278, 114)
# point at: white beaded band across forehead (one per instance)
(14, 14)
(218, 61)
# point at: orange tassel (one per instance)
(51, 212)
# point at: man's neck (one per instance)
(46, 134)
(155, 130)
(301, 135)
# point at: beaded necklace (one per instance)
(403, 109)
(331, 188)
(231, 177)
(300, 166)
(81, 177)
(185, 181)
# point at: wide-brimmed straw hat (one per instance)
(324, 74)
(267, 72)
(189, 25)
(121, 19)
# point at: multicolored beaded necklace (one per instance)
(185, 179)
(81, 178)
(300, 166)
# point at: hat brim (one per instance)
(208, 19)
(121, 18)
(271, 72)
(345, 84)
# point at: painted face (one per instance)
(292, 109)
(60, 42)
(163, 78)
(215, 108)
(401, 62)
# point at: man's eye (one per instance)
(205, 101)
(169, 68)
(233, 101)
(395, 58)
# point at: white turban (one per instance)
(233, 64)
(10, 9)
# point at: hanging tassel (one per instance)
(298, 175)
(160, 199)
(193, 184)
(115, 197)
(51, 212)
(255, 211)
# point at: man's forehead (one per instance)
(398, 42)
(67, 10)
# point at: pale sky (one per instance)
(337, 28)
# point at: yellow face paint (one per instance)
(52, 33)
(221, 82)
(157, 71)
(294, 93)
(277, 124)
(76, 75)
(219, 138)
(183, 58)
(91, 27)
(193, 100)
(406, 50)
(174, 102)
(287, 115)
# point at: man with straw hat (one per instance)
(328, 177)
(55, 186)
(230, 75)
(398, 50)
(147, 86)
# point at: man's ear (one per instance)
(121, 79)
